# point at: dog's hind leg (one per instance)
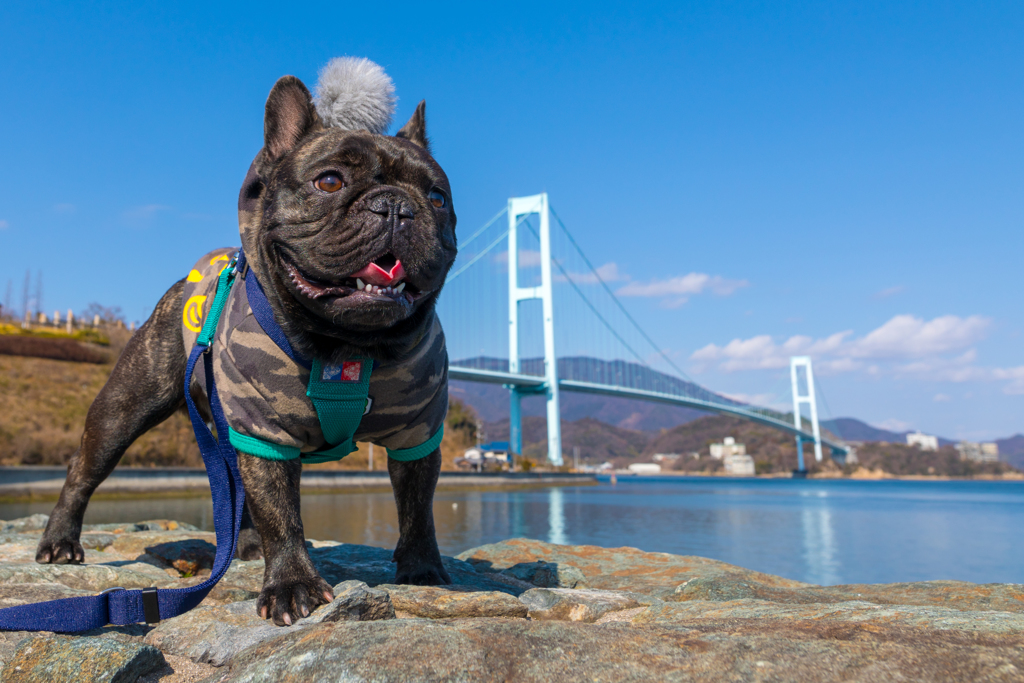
(144, 389)
(417, 555)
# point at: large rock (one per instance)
(450, 602)
(566, 604)
(621, 569)
(213, 635)
(50, 659)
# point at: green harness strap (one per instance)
(340, 395)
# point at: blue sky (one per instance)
(760, 179)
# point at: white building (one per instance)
(726, 448)
(665, 457)
(645, 468)
(978, 452)
(739, 465)
(926, 442)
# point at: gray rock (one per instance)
(567, 604)
(547, 574)
(31, 523)
(12, 594)
(451, 602)
(353, 601)
(55, 659)
(213, 635)
(85, 577)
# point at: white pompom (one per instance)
(354, 93)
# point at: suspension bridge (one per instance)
(535, 316)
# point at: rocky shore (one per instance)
(520, 610)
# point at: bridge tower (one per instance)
(795, 363)
(519, 206)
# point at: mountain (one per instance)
(1011, 450)
(852, 429)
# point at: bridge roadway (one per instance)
(537, 383)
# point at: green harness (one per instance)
(339, 393)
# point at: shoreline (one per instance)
(43, 483)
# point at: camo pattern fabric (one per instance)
(263, 391)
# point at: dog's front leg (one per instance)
(417, 555)
(292, 588)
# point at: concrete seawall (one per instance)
(46, 482)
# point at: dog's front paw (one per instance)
(59, 551)
(292, 594)
(417, 571)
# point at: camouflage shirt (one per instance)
(263, 391)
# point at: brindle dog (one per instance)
(318, 205)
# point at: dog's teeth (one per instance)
(400, 287)
(359, 283)
(368, 288)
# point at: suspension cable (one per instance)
(618, 303)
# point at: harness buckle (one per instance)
(111, 590)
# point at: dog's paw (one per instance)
(422, 573)
(292, 596)
(249, 546)
(63, 551)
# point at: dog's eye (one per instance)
(328, 182)
(437, 199)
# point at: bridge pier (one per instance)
(519, 206)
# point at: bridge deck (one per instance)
(534, 381)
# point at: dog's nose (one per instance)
(386, 204)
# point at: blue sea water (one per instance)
(825, 532)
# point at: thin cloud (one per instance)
(894, 425)
(942, 398)
(683, 286)
(891, 291)
(4, 225)
(609, 272)
(64, 209)
(528, 258)
(141, 216)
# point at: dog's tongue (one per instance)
(375, 275)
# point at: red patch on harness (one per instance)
(351, 370)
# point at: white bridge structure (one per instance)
(541, 287)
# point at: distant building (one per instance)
(489, 456)
(978, 452)
(665, 457)
(739, 465)
(645, 468)
(926, 442)
(726, 448)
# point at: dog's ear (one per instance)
(415, 130)
(290, 115)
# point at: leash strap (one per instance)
(120, 606)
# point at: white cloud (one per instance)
(4, 225)
(942, 398)
(683, 286)
(894, 425)
(609, 272)
(940, 349)
(908, 336)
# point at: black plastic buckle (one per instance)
(150, 606)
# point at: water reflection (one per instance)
(820, 547)
(556, 517)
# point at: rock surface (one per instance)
(518, 610)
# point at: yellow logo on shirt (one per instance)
(192, 316)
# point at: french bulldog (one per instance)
(351, 234)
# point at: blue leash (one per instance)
(121, 606)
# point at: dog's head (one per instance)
(351, 232)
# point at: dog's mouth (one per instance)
(382, 279)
